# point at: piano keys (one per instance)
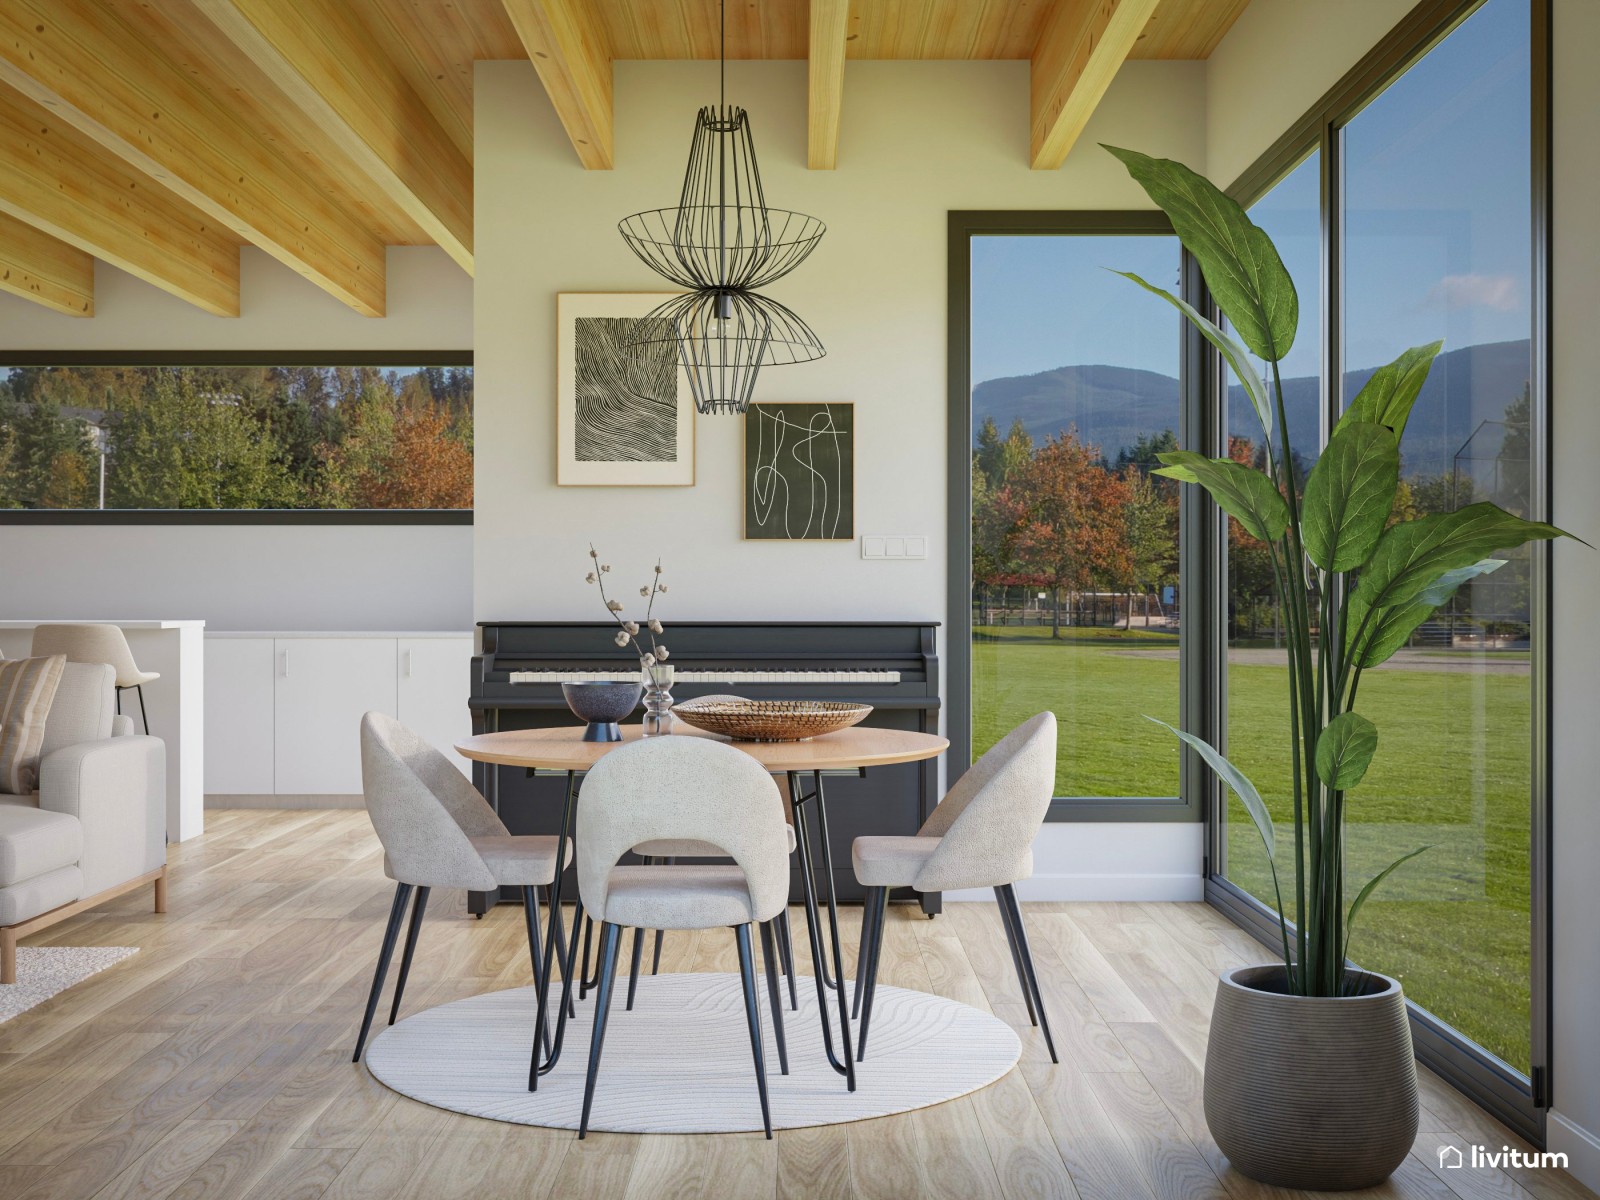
(893, 666)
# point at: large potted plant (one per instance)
(1310, 1080)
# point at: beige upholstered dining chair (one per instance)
(97, 644)
(437, 831)
(980, 835)
(669, 789)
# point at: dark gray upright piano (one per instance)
(891, 665)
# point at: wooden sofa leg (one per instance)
(161, 891)
(8, 956)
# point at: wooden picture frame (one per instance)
(614, 425)
(799, 471)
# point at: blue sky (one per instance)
(1436, 235)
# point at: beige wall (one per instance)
(918, 140)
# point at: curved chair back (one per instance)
(988, 820)
(89, 644)
(423, 816)
(674, 788)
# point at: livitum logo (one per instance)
(1483, 1157)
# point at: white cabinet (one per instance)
(433, 688)
(238, 737)
(323, 686)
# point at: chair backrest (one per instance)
(87, 644)
(422, 815)
(671, 788)
(84, 709)
(988, 820)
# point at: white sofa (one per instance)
(97, 825)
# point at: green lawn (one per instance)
(1451, 771)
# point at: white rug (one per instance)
(680, 1061)
(45, 971)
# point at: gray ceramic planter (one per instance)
(1317, 1094)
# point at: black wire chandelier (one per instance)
(721, 243)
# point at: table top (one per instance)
(563, 748)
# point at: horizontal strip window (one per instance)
(252, 437)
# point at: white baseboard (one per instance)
(220, 800)
(1099, 887)
(1582, 1148)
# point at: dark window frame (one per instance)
(1518, 1101)
(1200, 523)
(236, 516)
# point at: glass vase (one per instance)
(657, 700)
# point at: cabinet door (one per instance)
(238, 740)
(322, 688)
(434, 682)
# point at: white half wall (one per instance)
(332, 577)
(1092, 860)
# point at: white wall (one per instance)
(248, 576)
(1575, 440)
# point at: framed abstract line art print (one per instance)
(799, 472)
(623, 419)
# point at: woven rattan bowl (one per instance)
(771, 720)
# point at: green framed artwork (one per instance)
(799, 472)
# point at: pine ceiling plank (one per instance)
(44, 269)
(100, 75)
(570, 51)
(58, 181)
(318, 55)
(1188, 28)
(1078, 55)
(830, 26)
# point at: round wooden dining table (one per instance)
(801, 763)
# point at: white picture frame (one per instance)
(607, 433)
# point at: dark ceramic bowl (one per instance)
(602, 705)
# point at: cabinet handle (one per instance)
(406, 660)
(286, 664)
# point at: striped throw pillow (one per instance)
(27, 687)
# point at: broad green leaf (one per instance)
(1235, 779)
(1349, 494)
(1361, 896)
(1237, 356)
(1243, 493)
(1238, 259)
(1391, 628)
(1413, 554)
(1389, 394)
(1344, 750)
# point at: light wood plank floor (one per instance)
(216, 1062)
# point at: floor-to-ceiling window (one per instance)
(1076, 603)
(1413, 220)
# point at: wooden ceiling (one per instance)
(162, 135)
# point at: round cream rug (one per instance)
(680, 1061)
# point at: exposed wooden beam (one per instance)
(1078, 55)
(830, 26)
(44, 269)
(58, 181)
(569, 50)
(318, 54)
(99, 74)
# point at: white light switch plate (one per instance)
(894, 546)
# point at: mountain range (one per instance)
(1111, 406)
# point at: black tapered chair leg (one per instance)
(869, 904)
(397, 911)
(633, 967)
(143, 716)
(530, 914)
(602, 1010)
(752, 1015)
(880, 910)
(561, 952)
(1009, 897)
(1016, 956)
(786, 948)
(583, 967)
(418, 904)
(655, 958)
(769, 958)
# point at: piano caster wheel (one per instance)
(931, 916)
(480, 916)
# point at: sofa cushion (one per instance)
(35, 841)
(84, 708)
(23, 901)
(27, 689)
